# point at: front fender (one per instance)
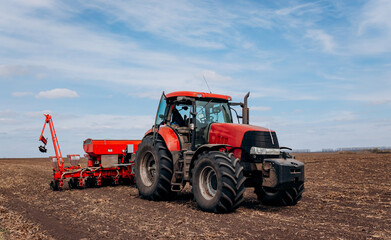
(169, 136)
(207, 147)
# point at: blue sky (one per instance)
(319, 72)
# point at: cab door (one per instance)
(161, 111)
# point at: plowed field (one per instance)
(348, 196)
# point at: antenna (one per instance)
(271, 136)
(270, 132)
(203, 75)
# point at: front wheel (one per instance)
(218, 182)
(280, 197)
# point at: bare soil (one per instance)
(348, 196)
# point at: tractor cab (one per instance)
(191, 114)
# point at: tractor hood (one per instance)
(242, 136)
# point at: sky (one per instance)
(318, 72)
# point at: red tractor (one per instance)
(195, 140)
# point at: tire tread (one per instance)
(232, 181)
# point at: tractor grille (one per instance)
(257, 139)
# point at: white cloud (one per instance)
(299, 9)
(57, 93)
(282, 94)
(92, 122)
(342, 116)
(22, 94)
(375, 15)
(323, 39)
(155, 95)
(38, 114)
(100, 56)
(213, 76)
(6, 121)
(373, 29)
(374, 97)
(334, 77)
(260, 108)
(381, 101)
(13, 70)
(183, 22)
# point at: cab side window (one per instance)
(179, 114)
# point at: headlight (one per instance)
(264, 151)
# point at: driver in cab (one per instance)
(176, 118)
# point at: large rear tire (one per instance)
(280, 197)
(153, 170)
(218, 182)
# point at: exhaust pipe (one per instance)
(245, 110)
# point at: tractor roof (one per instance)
(198, 95)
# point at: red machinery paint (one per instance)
(231, 134)
(121, 152)
(169, 136)
(198, 95)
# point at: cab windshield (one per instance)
(212, 112)
(208, 112)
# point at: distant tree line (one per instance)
(301, 150)
(350, 149)
(358, 149)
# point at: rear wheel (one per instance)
(280, 197)
(153, 170)
(218, 182)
